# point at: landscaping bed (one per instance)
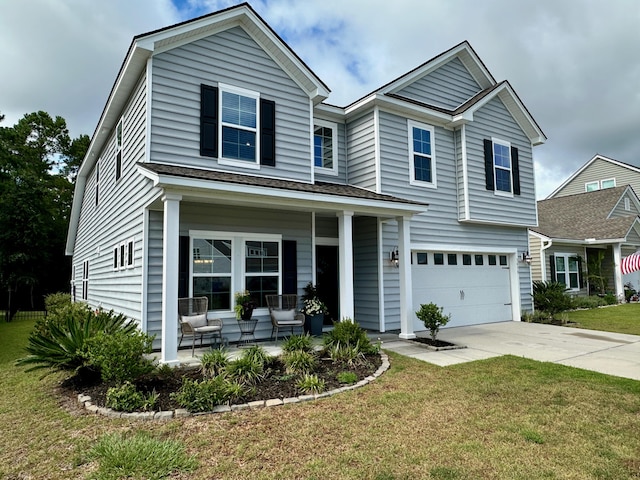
(275, 384)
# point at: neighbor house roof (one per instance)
(584, 217)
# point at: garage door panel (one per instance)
(472, 294)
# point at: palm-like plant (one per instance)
(63, 345)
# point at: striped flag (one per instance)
(631, 263)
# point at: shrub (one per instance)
(310, 384)
(56, 301)
(59, 314)
(592, 301)
(202, 396)
(257, 354)
(246, 369)
(610, 299)
(298, 342)
(119, 356)
(349, 354)
(126, 398)
(214, 362)
(551, 297)
(139, 456)
(347, 377)
(433, 318)
(299, 361)
(63, 344)
(349, 333)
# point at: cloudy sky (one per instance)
(574, 63)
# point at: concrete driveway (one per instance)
(611, 353)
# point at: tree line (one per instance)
(38, 165)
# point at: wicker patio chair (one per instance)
(283, 313)
(192, 314)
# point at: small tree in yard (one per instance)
(433, 318)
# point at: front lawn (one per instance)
(624, 318)
(501, 418)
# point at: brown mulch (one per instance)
(277, 384)
(437, 343)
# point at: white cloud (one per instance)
(574, 65)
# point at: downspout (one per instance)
(543, 259)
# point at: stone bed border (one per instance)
(85, 401)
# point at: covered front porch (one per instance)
(226, 233)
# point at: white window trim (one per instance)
(608, 180)
(255, 165)
(334, 138)
(497, 192)
(121, 252)
(596, 183)
(119, 148)
(85, 280)
(412, 173)
(566, 257)
(238, 261)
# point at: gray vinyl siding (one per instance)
(448, 87)
(210, 217)
(340, 144)
(327, 227)
(233, 58)
(390, 277)
(114, 220)
(365, 282)
(619, 210)
(361, 152)
(154, 275)
(601, 170)
(494, 120)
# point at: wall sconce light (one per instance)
(526, 257)
(394, 257)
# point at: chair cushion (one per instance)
(197, 321)
(208, 329)
(283, 315)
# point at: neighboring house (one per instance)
(216, 167)
(586, 231)
(599, 173)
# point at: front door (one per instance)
(327, 280)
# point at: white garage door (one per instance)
(473, 288)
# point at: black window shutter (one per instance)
(208, 121)
(580, 275)
(267, 132)
(488, 164)
(289, 267)
(515, 170)
(118, 164)
(183, 267)
(552, 265)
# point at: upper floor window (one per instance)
(502, 168)
(237, 126)
(627, 204)
(422, 151)
(325, 147)
(119, 150)
(97, 182)
(599, 185)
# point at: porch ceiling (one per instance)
(198, 185)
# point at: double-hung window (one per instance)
(567, 270)
(422, 159)
(239, 125)
(325, 147)
(85, 280)
(262, 269)
(212, 269)
(123, 255)
(502, 167)
(119, 150)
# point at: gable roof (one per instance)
(387, 94)
(597, 156)
(585, 217)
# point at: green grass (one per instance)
(624, 318)
(502, 418)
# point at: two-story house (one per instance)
(217, 166)
(587, 226)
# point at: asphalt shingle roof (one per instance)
(251, 180)
(583, 216)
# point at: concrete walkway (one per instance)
(611, 353)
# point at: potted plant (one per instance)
(244, 305)
(314, 310)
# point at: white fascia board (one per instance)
(416, 112)
(539, 235)
(494, 222)
(282, 197)
(326, 111)
(74, 218)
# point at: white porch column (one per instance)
(404, 267)
(617, 272)
(170, 252)
(345, 260)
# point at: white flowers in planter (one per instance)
(313, 307)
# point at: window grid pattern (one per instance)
(422, 157)
(502, 163)
(323, 147)
(239, 126)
